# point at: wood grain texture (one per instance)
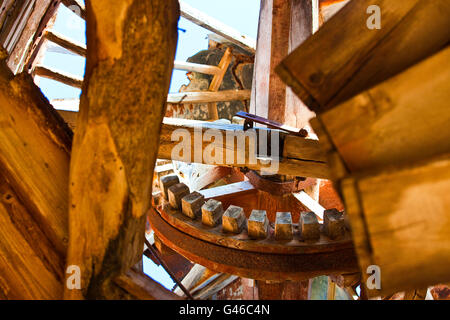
(117, 136)
(300, 156)
(35, 151)
(34, 170)
(283, 25)
(400, 121)
(141, 287)
(362, 57)
(400, 223)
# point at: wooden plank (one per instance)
(195, 67)
(283, 25)
(362, 57)
(30, 267)
(17, 58)
(142, 287)
(217, 81)
(305, 160)
(117, 136)
(60, 76)
(207, 96)
(77, 3)
(66, 43)
(191, 97)
(35, 150)
(217, 27)
(402, 120)
(399, 221)
(300, 164)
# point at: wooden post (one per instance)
(283, 25)
(117, 136)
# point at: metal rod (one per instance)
(164, 265)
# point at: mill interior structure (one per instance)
(310, 163)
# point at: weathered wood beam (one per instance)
(60, 76)
(283, 25)
(195, 67)
(305, 159)
(66, 43)
(117, 136)
(217, 80)
(141, 287)
(217, 27)
(35, 148)
(23, 46)
(399, 121)
(399, 220)
(323, 80)
(208, 96)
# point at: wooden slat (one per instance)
(195, 67)
(217, 81)
(60, 76)
(361, 58)
(35, 148)
(66, 43)
(186, 97)
(283, 26)
(400, 223)
(117, 135)
(17, 58)
(207, 96)
(30, 267)
(310, 203)
(217, 27)
(34, 169)
(399, 121)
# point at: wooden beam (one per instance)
(195, 67)
(39, 9)
(60, 76)
(310, 203)
(306, 159)
(323, 79)
(141, 287)
(399, 220)
(117, 136)
(66, 43)
(402, 120)
(217, 27)
(207, 96)
(217, 81)
(283, 25)
(35, 148)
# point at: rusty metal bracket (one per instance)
(250, 119)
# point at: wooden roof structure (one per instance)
(84, 195)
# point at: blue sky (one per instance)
(244, 19)
(189, 43)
